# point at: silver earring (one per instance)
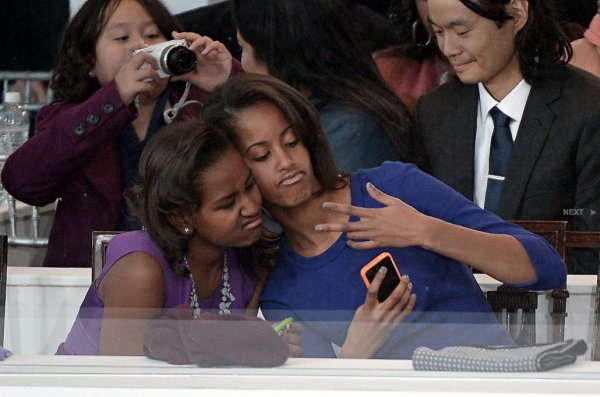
(91, 73)
(186, 230)
(417, 30)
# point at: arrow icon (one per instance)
(592, 212)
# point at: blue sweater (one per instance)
(324, 291)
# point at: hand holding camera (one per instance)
(196, 59)
(174, 57)
(215, 62)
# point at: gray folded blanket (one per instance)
(542, 357)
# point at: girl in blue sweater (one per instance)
(333, 224)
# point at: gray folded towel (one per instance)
(535, 358)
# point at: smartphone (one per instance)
(392, 276)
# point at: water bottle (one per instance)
(14, 129)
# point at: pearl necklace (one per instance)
(227, 297)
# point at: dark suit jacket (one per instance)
(554, 171)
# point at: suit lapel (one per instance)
(464, 144)
(534, 128)
(462, 126)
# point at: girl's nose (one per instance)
(251, 205)
(284, 160)
(138, 44)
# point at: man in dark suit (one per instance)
(510, 55)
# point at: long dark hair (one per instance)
(312, 44)
(243, 91)
(71, 80)
(170, 167)
(540, 44)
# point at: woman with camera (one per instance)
(111, 99)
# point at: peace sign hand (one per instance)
(397, 224)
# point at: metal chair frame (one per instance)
(513, 304)
(576, 239)
(100, 240)
(3, 277)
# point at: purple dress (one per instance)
(84, 337)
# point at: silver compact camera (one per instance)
(173, 57)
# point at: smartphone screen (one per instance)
(392, 276)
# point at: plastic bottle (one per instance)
(14, 129)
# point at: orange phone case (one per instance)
(374, 262)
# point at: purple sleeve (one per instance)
(67, 136)
(126, 243)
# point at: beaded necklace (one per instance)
(227, 297)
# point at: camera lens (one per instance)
(179, 60)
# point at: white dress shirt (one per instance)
(513, 106)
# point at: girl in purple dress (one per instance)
(203, 243)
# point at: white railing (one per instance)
(7, 76)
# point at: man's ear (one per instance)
(181, 221)
(519, 10)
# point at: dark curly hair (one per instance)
(170, 166)
(540, 44)
(71, 80)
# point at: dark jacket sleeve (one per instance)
(67, 137)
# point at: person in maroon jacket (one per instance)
(110, 101)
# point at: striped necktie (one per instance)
(500, 151)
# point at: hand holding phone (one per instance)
(392, 276)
